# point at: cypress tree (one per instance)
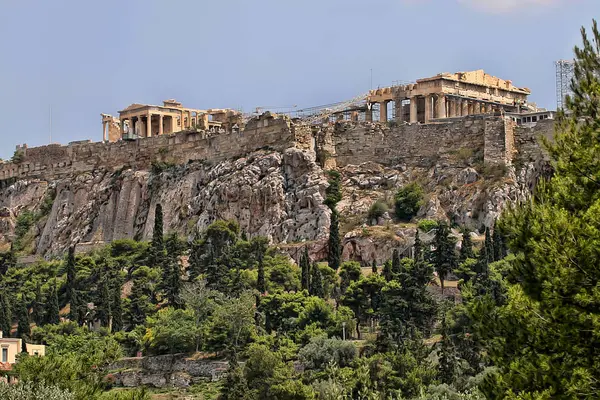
(466, 248)
(387, 271)
(195, 260)
(305, 268)
(334, 254)
(444, 258)
(157, 248)
(117, 308)
(374, 267)
(259, 247)
(5, 315)
(316, 282)
(77, 308)
(38, 307)
(52, 307)
(71, 274)
(499, 249)
(418, 247)
(23, 327)
(104, 308)
(448, 360)
(171, 279)
(395, 263)
(138, 303)
(489, 246)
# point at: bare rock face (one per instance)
(277, 195)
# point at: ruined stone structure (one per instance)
(447, 96)
(144, 121)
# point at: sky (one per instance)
(73, 59)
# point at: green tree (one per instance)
(171, 331)
(305, 268)
(23, 327)
(235, 386)
(396, 269)
(259, 248)
(117, 307)
(139, 301)
(444, 256)
(408, 200)
(52, 307)
(316, 282)
(499, 248)
(157, 246)
(550, 320)
(71, 284)
(37, 313)
(349, 272)
(374, 267)
(203, 302)
(418, 247)
(334, 252)
(171, 270)
(5, 314)
(387, 271)
(489, 246)
(466, 247)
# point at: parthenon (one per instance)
(447, 96)
(143, 120)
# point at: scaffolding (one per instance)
(564, 75)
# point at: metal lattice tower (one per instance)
(564, 75)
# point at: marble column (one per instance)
(354, 116)
(383, 117)
(369, 113)
(452, 108)
(414, 110)
(160, 124)
(476, 107)
(464, 108)
(104, 135)
(428, 108)
(441, 106)
(149, 125)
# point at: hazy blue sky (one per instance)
(90, 57)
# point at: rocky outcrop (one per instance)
(273, 194)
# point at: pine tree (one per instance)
(23, 327)
(316, 282)
(305, 269)
(466, 248)
(550, 321)
(334, 254)
(418, 247)
(444, 257)
(52, 308)
(374, 267)
(71, 285)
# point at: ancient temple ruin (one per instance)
(143, 120)
(447, 96)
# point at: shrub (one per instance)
(377, 210)
(427, 224)
(29, 391)
(408, 200)
(321, 352)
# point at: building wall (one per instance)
(53, 161)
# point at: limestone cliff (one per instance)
(278, 195)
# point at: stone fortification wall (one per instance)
(55, 161)
(492, 139)
(413, 144)
(528, 140)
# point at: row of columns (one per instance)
(148, 123)
(439, 106)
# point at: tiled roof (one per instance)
(5, 366)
